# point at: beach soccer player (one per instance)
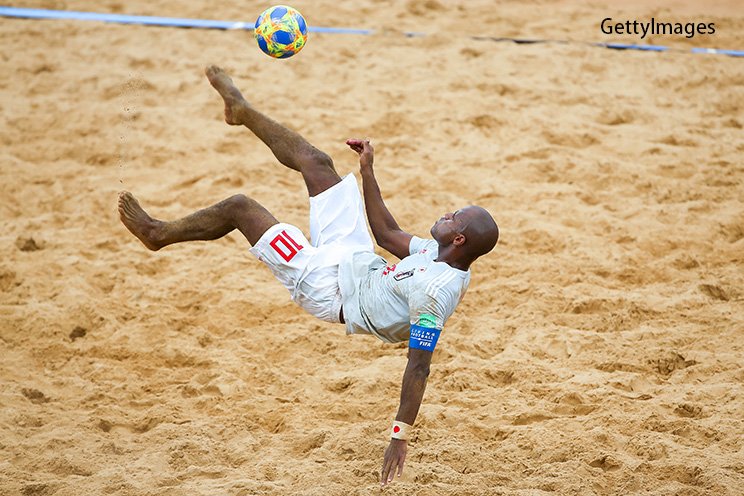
(336, 276)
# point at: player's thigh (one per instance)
(337, 216)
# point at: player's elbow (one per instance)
(383, 237)
(393, 243)
(419, 362)
(420, 370)
(385, 244)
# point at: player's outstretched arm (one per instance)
(384, 227)
(411, 394)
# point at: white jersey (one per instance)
(410, 300)
(386, 300)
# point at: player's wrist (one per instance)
(400, 431)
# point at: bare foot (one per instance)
(234, 100)
(138, 222)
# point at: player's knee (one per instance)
(316, 159)
(239, 203)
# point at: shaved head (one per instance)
(465, 235)
(480, 230)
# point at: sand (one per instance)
(598, 350)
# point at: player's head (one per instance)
(470, 229)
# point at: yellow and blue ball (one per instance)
(280, 31)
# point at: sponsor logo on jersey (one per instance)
(403, 275)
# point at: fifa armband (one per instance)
(423, 338)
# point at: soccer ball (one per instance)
(280, 31)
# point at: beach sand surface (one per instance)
(599, 347)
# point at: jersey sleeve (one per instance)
(421, 245)
(428, 311)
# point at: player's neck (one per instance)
(450, 256)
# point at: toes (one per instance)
(123, 202)
(131, 210)
(213, 72)
(128, 205)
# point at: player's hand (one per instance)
(395, 456)
(365, 150)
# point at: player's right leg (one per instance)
(288, 147)
(281, 247)
(237, 212)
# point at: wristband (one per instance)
(400, 430)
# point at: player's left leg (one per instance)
(237, 212)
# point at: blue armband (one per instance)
(423, 338)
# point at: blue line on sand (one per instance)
(150, 21)
(209, 24)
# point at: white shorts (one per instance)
(309, 270)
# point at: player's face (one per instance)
(448, 226)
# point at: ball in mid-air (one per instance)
(280, 31)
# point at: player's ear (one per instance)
(459, 240)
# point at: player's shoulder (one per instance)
(439, 279)
(423, 246)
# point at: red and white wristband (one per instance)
(401, 431)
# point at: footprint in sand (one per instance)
(34, 396)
